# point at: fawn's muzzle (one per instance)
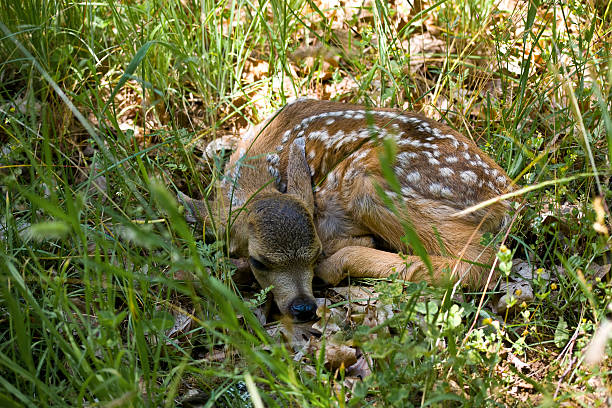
(303, 308)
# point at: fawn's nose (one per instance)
(303, 309)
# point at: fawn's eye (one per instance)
(257, 264)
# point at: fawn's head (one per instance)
(282, 247)
(276, 232)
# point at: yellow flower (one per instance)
(488, 320)
(503, 249)
(553, 286)
(518, 292)
(524, 304)
(525, 332)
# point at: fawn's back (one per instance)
(326, 157)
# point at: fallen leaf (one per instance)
(357, 294)
(337, 355)
(521, 290)
(219, 146)
(362, 367)
(528, 272)
(516, 362)
(182, 324)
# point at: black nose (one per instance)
(303, 309)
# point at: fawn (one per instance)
(290, 230)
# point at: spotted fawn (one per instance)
(300, 197)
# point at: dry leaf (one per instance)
(522, 268)
(521, 290)
(219, 145)
(361, 368)
(337, 355)
(330, 321)
(297, 335)
(422, 48)
(357, 294)
(516, 362)
(182, 324)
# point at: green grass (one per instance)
(93, 275)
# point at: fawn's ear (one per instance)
(298, 174)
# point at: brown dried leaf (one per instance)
(182, 324)
(422, 48)
(598, 271)
(357, 294)
(337, 355)
(297, 335)
(219, 145)
(215, 355)
(361, 368)
(331, 320)
(516, 362)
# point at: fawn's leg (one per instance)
(364, 262)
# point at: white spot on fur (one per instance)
(321, 135)
(446, 192)
(273, 159)
(413, 176)
(446, 172)
(468, 176)
(293, 101)
(237, 201)
(466, 156)
(409, 142)
(332, 180)
(451, 159)
(274, 173)
(286, 136)
(330, 121)
(501, 180)
(404, 157)
(434, 161)
(351, 173)
(435, 188)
